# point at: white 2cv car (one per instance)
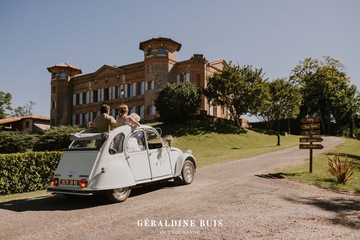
(117, 161)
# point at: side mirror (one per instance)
(168, 139)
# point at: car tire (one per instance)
(118, 195)
(188, 172)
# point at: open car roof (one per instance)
(88, 136)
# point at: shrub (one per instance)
(55, 139)
(341, 170)
(25, 172)
(12, 142)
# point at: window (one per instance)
(141, 88)
(161, 51)
(53, 90)
(77, 119)
(187, 77)
(153, 140)
(149, 52)
(106, 94)
(95, 96)
(84, 98)
(132, 90)
(132, 109)
(151, 110)
(85, 119)
(117, 144)
(53, 75)
(150, 85)
(27, 124)
(149, 69)
(53, 104)
(77, 99)
(63, 75)
(141, 112)
(180, 78)
(136, 142)
(117, 92)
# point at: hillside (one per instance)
(208, 141)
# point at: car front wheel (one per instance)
(188, 172)
(119, 194)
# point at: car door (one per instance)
(159, 157)
(137, 156)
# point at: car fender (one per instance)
(180, 162)
(116, 174)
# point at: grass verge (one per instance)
(321, 176)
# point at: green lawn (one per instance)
(211, 148)
(321, 176)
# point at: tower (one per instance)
(61, 108)
(159, 67)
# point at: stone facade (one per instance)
(76, 98)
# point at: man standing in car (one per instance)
(104, 122)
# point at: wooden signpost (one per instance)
(310, 127)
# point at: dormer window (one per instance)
(161, 51)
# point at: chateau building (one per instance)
(76, 98)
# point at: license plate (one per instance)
(69, 182)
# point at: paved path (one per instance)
(234, 200)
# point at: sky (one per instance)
(274, 35)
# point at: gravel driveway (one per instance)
(235, 200)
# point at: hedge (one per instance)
(25, 172)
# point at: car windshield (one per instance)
(86, 140)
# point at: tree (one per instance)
(5, 104)
(25, 110)
(177, 102)
(285, 101)
(240, 90)
(325, 89)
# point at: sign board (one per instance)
(310, 126)
(310, 120)
(311, 146)
(313, 132)
(311, 139)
